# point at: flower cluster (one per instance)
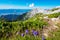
(34, 32)
(43, 37)
(26, 31)
(22, 34)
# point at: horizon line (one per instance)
(24, 7)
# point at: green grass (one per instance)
(36, 22)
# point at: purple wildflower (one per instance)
(43, 37)
(26, 31)
(22, 34)
(35, 33)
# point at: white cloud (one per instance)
(31, 5)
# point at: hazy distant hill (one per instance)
(13, 11)
(13, 14)
(13, 17)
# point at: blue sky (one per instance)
(25, 4)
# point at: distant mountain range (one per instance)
(14, 17)
(13, 11)
(13, 14)
(16, 14)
